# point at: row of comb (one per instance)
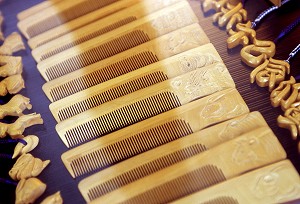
(149, 108)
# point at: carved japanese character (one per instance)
(244, 35)
(270, 73)
(10, 65)
(15, 106)
(28, 190)
(255, 54)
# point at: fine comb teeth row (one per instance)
(121, 39)
(97, 28)
(166, 155)
(169, 68)
(78, 22)
(276, 183)
(225, 161)
(145, 103)
(148, 53)
(58, 14)
(153, 132)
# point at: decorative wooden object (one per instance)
(10, 65)
(119, 40)
(28, 190)
(144, 103)
(58, 14)
(53, 199)
(223, 162)
(16, 129)
(15, 106)
(78, 22)
(149, 162)
(31, 142)
(148, 53)
(12, 84)
(153, 132)
(13, 43)
(27, 166)
(275, 183)
(99, 27)
(169, 68)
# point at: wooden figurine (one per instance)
(53, 199)
(15, 106)
(16, 129)
(31, 143)
(28, 190)
(12, 84)
(27, 166)
(13, 43)
(10, 65)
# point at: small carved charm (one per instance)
(10, 65)
(282, 92)
(29, 190)
(13, 43)
(255, 54)
(16, 129)
(53, 199)
(15, 106)
(270, 73)
(291, 120)
(230, 15)
(244, 35)
(20, 149)
(27, 166)
(1, 22)
(12, 84)
(215, 5)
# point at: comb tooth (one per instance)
(128, 83)
(147, 103)
(162, 128)
(218, 164)
(119, 40)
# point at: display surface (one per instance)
(51, 147)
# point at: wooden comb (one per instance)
(223, 162)
(276, 183)
(79, 22)
(36, 8)
(149, 162)
(145, 103)
(120, 39)
(58, 14)
(153, 132)
(96, 28)
(148, 53)
(197, 58)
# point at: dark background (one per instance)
(50, 147)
